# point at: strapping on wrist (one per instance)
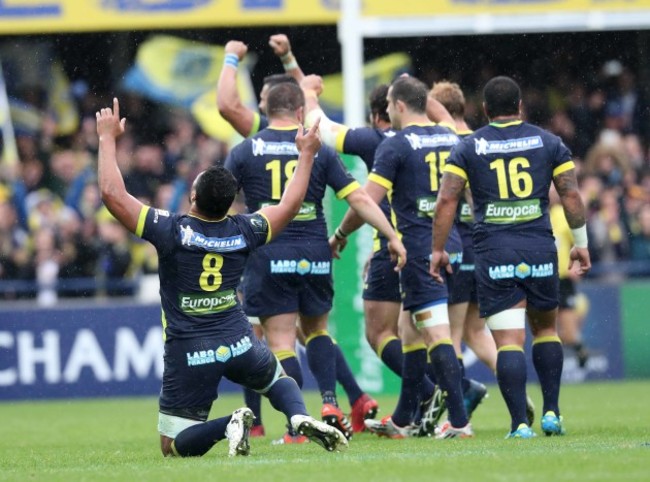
(580, 237)
(231, 60)
(286, 58)
(340, 234)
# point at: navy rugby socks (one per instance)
(345, 376)
(322, 363)
(548, 359)
(511, 376)
(285, 397)
(196, 440)
(290, 364)
(463, 379)
(413, 375)
(447, 372)
(390, 352)
(253, 400)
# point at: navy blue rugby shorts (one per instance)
(195, 366)
(462, 285)
(382, 281)
(504, 277)
(289, 278)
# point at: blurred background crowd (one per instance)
(57, 240)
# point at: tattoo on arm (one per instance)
(451, 186)
(567, 187)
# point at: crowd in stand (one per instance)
(53, 227)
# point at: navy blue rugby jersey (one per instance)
(510, 167)
(200, 266)
(264, 164)
(410, 164)
(464, 215)
(363, 142)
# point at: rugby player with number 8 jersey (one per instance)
(207, 335)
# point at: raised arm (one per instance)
(566, 185)
(365, 208)
(312, 86)
(119, 202)
(240, 117)
(281, 214)
(282, 48)
(438, 113)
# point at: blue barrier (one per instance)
(89, 350)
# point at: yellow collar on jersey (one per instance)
(284, 128)
(420, 124)
(506, 123)
(205, 219)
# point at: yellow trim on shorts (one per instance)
(412, 348)
(382, 181)
(142, 217)
(511, 348)
(547, 339)
(567, 166)
(315, 335)
(173, 447)
(340, 139)
(345, 192)
(455, 170)
(164, 325)
(284, 354)
(443, 341)
(384, 342)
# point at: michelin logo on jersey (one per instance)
(521, 271)
(301, 267)
(189, 237)
(483, 146)
(260, 148)
(430, 142)
(221, 354)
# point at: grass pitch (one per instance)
(608, 439)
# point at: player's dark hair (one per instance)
(450, 95)
(501, 96)
(412, 92)
(275, 79)
(284, 98)
(378, 102)
(215, 191)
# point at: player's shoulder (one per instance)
(546, 138)
(364, 134)
(393, 141)
(325, 154)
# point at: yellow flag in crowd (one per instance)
(185, 73)
(9, 149)
(60, 101)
